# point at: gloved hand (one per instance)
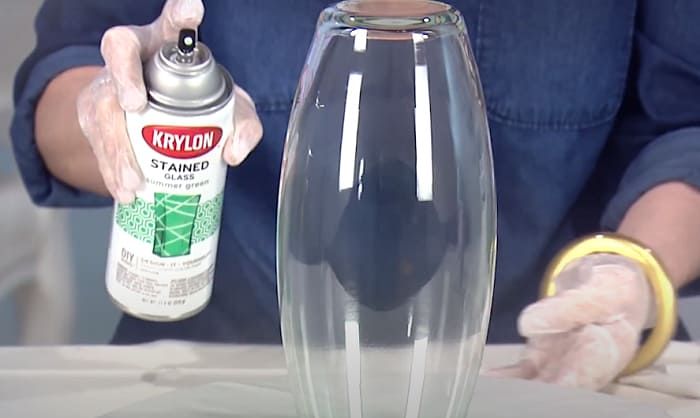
(120, 87)
(587, 333)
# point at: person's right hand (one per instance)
(119, 87)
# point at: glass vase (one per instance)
(387, 218)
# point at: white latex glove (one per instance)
(590, 330)
(120, 87)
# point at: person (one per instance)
(593, 111)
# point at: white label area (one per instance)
(163, 245)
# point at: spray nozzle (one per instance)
(187, 41)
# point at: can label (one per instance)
(163, 247)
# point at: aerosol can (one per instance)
(163, 246)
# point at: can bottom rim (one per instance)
(156, 318)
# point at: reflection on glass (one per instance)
(386, 234)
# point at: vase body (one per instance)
(387, 218)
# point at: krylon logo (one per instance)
(182, 141)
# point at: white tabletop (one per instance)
(177, 379)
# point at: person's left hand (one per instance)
(587, 333)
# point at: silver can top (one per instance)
(183, 76)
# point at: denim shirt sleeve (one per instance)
(68, 35)
(666, 82)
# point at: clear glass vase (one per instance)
(387, 219)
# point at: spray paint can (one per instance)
(163, 246)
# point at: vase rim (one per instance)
(395, 15)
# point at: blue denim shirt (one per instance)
(590, 105)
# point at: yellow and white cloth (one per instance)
(177, 380)
(672, 383)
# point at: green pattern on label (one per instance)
(208, 219)
(138, 219)
(175, 216)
